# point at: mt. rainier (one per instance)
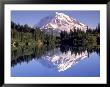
(60, 22)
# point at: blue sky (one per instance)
(90, 18)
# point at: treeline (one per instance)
(24, 35)
(81, 38)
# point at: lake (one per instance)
(56, 62)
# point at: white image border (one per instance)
(55, 80)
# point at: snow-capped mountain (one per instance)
(60, 22)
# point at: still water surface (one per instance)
(55, 63)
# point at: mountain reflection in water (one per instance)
(61, 61)
(60, 58)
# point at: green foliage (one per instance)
(24, 35)
(79, 37)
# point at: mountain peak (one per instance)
(62, 15)
(61, 22)
(57, 13)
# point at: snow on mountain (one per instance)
(60, 22)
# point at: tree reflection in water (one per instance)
(27, 54)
